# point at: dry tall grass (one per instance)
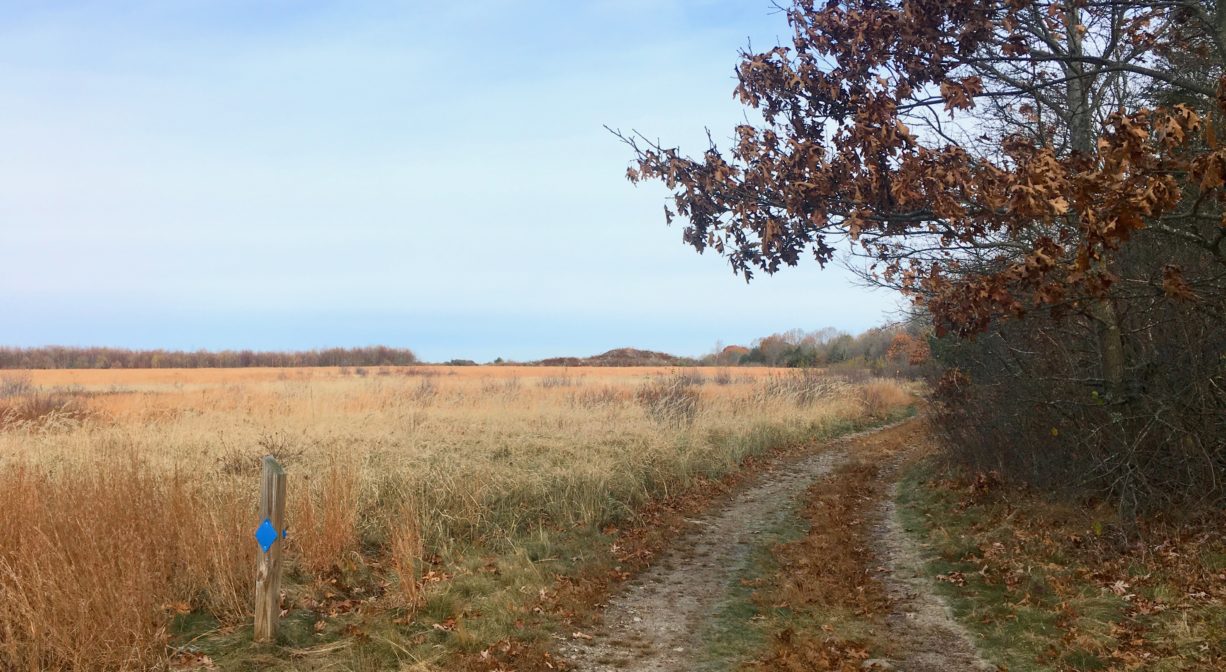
(144, 504)
(94, 560)
(879, 397)
(324, 507)
(405, 550)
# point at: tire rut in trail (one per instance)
(920, 623)
(656, 623)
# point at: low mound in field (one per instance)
(620, 357)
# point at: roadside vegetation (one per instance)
(1051, 585)
(440, 517)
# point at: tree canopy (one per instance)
(1045, 179)
(990, 157)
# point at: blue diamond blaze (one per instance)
(266, 534)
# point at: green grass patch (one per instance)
(1045, 585)
(739, 626)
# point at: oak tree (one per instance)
(989, 158)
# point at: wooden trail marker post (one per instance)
(271, 537)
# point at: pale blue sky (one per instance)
(274, 175)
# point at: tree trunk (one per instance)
(1220, 18)
(1081, 139)
(1111, 347)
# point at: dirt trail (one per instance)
(920, 624)
(656, 624)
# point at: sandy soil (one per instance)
(920, 623)
(655, 624)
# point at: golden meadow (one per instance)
(129, 497)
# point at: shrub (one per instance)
(879, 397)
(671, 400)
(40, 409)
(803, 388)
(560, 380)
(419, 371)
(1028, 403)
(425, 391)
(597, 397)
(507, 387)
(690, 377)
(18, 385)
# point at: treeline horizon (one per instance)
(66, 357)
(902, 344)
(794, 349)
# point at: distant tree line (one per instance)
(59, 357)
(898, 349)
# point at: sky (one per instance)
(220, 174)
